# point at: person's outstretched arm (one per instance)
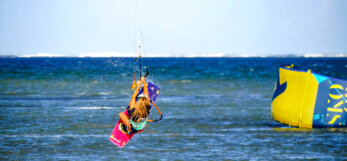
(133, 97)
(145, 89)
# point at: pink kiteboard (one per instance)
(120, 137)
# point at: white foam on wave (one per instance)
(104, 93)
(186, 55)
(94, 108)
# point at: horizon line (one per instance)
(112, 54)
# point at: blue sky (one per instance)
(173, 27)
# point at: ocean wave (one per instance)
(180, 81)
(188, 55)
(53, 136)
(94, 108)
(104, 93)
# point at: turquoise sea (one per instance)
(214, 109)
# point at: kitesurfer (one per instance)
(138, 110)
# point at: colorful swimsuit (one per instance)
(137, 126)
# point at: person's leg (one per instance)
(125, 120)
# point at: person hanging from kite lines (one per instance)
(140, 104)
(135, 117)
(138, 110)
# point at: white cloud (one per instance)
(42, 55)
(106, 54)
